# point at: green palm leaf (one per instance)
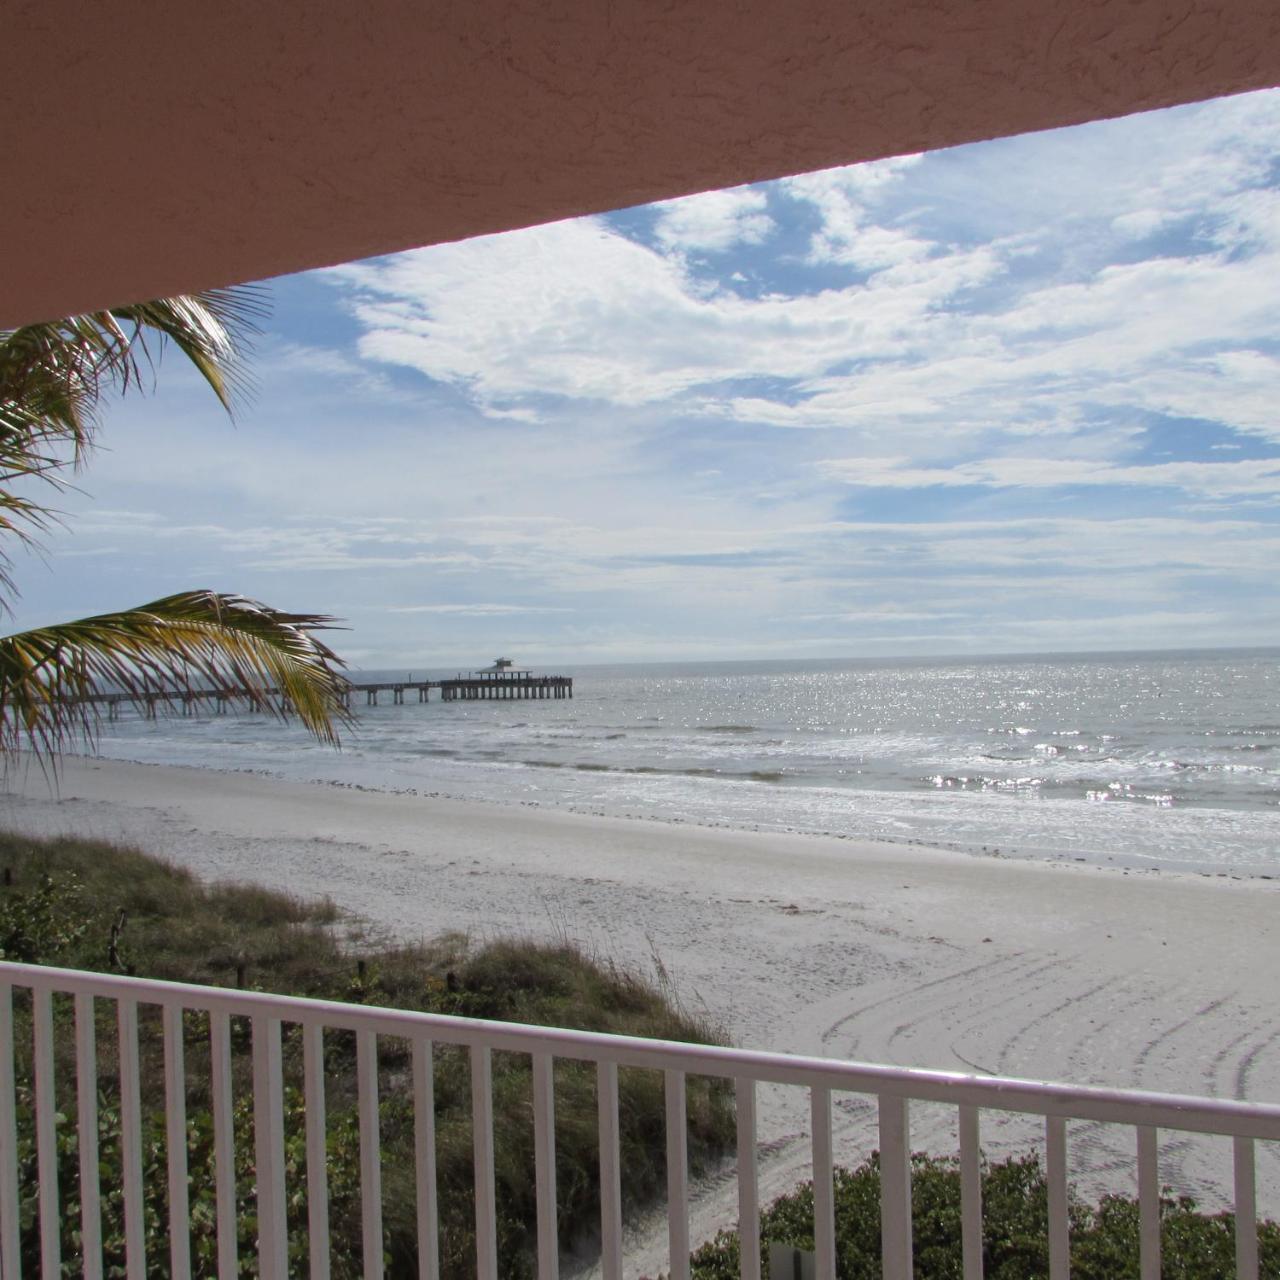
(64, 367)
(197, 640)
(53, 375)
(52, 378)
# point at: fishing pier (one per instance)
(499, 683)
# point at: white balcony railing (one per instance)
(895, 1089)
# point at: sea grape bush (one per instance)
(58, 905)
(38, 925)
(344, 1189)
(577, 1175)
(1104, 1237)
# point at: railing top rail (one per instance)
(1085, 1102)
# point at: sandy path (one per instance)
(883, 953)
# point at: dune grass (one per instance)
(98, 906)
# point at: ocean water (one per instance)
(1157, 760)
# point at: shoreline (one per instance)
(35, 789)
(1142, 862)
(893, 953)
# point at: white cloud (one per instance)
(576, 310)
(1065, 337)
(843, 199)
(1239, 388)
(298, 357)
(713, 221)
(1209, 479)
(476, 610)
(1136, 339)
(873, 614)
(1138, 224)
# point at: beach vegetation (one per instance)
(97, 906)
(53, 378)
(1195, 1245)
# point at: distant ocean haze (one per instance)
(1154, 760)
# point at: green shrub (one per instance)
(41, 925)
(1104, 1238)
(177, 928)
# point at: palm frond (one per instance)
(194, 641)
(54, 374)
(213, 329)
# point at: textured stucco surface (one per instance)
(153, 147)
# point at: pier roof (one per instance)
(159, 147)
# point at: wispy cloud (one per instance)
(850, 233)
(714, 221)
(1041, 320)
(577, 310)
(1209, 479)
(476, 610)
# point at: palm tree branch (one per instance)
(55, 372)
(193, 641)
(212, 329)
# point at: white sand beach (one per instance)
(885, 953)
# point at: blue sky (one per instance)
(1020, 395)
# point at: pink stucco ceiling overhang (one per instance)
(153, 147)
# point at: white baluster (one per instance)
(10, 1268)
(424, 1152)
(135, 1240)
(1055, 1128)
(824, 1207)
(1246, 1210)
(1148, 1204)
(895, 1188)
(971, 1193)
(677, 1175)
(175, 1094)
(610, 1172)
(544, 1153)
(224, 1156)
(482, 1144)
(268, 1132)
(87, 1127)
(748, 1182)
(46, 1136)
(370, 1153)
(317, 1160)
